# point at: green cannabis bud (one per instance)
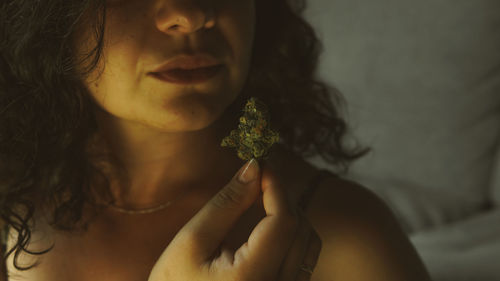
(253, 138)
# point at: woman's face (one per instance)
(141, 35)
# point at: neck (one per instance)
(148, 168)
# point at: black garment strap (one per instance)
(313, 185)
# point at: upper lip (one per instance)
(187, 62)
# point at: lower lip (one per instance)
(191, 76)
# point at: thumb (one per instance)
(212, 223)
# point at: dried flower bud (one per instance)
(253, 138)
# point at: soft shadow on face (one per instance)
(142, 35)
(162, 138)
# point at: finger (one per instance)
(273, 235)
(310, 258)
(207, 229)
(296, 253)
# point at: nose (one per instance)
(177, 17)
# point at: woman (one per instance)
(112, 117)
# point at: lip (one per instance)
(188, 76)
(187, 62)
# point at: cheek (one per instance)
(116, 69)
(237, 19)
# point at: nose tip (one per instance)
(185, 20)
(184, 25)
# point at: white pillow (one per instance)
(466, 250)
(416, 207)
(422, 82)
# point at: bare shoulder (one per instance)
(362, 239)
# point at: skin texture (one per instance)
(359, 237)
(153, 126)
(167, 139)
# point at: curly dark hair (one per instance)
(47, 116)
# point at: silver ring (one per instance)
(306, 268)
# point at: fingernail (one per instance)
(249, 172)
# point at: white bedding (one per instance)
(468, 250)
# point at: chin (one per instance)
(191, 113)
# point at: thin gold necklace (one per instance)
(140, 211)
(150, 209)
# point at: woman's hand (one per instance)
(276, 248)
